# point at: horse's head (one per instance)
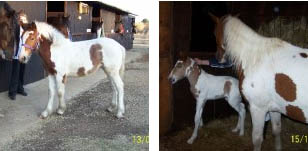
(180, 69)
(218, 32)
(7, 25)
(30, 42)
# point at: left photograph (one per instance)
(73, 76)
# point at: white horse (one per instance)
(208, 87)
(62, 58)
(271, 73)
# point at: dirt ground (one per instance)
(216, 135)
(87, 126)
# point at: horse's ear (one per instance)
(11, 13)
(33, 26)
(26, 26)
(182, 55)
(2, 11)
(214, 18)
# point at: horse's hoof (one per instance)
(44, 115)
(60, 111)
(201, 125)
(241, 133)
(235, 130)
(120, 115)
(110, 109)
(190, 141)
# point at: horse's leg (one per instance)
(276, 128)
(201, 122)
(114, 102)
(242, 116)
(52, 89)
(257, 117)
(61, 91)
(235, 103)
(120, 91)
(198, 116)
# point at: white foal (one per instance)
(208, 87)
(62, 58)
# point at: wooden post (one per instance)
(165, 64)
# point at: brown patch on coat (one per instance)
(64, 79)
(304, 55)
(81, 72)
(285, 87)
(96, 57)
(227, 87)
(241, 77)
(193, 77)
(96, 54)
(295, 113)
(45, 54)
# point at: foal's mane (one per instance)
(246, 47)
(50, 33)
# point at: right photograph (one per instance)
(232, 76)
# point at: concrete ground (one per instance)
(86, 125)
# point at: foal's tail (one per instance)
(122, 69)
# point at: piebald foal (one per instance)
(208, 87)
(62, 58)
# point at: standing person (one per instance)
(18, 69)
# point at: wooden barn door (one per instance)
(165, 65)
(56, 8)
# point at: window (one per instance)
(83, 8)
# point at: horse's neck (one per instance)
(193, 74)
(51, 33)
(246, 47)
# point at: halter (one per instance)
(37, 44)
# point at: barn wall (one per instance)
(79, 27)
(182, 24)
(31, 9)
(109, 20)
(126, 40)
(34, 69)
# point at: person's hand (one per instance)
(198, 61)
(202, 62)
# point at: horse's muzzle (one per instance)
(172, 79)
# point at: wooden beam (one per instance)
(46, 13)
(54, 14)
(65, 8)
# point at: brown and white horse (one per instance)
(62, 58)
(270, 75)
(206, 87)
